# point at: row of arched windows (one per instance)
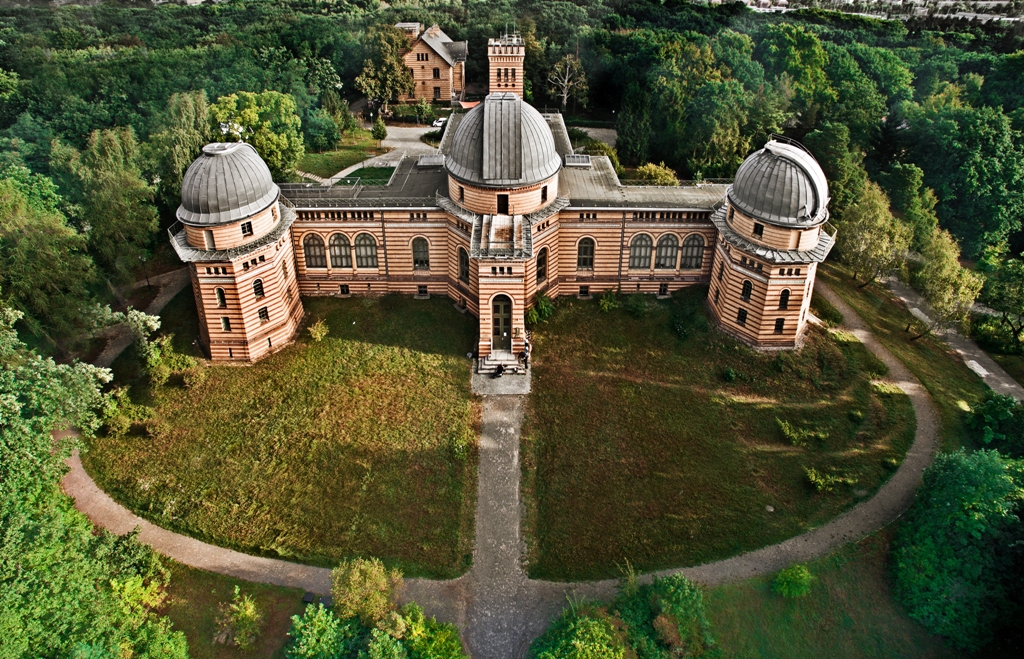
(340, 252)
(748, 289)
(666, 256)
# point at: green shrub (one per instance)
(581, 632)
(318, 634)
(636, 305)
(383, 646)
(118, 425)
(541, 310)
(608, 301)
(426, 638)
(318, 331)
(194, 377)
(728, 374)
(950, 559)
(667, 618)
(825, 311)
(577, 135)
(239, 621)
(659, 174)
(159, 374)
(597, 148)
(794, 581)
(827, 482)
(433, 137)
(999, 421)
(364, 588)
(856, 416)
(157, 427)
(799, 436)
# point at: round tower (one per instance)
(233, 232)
(772, 234)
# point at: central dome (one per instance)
(502, 143)
(781, 184)
(227, 182)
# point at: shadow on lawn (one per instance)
(362, 444)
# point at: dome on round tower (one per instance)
(502, 143)
(781, 184)
(227, 182)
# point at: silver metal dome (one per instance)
(503, 142)
(781, 184)
(228, 182)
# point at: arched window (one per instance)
(748, 288)
(640, 253)
(420, 254)
(366, 251)
(693, 253)
(585, 254)
(222, 301)
(341, 253)
(257, 288)
(313, 246)
(784, 300)
(542, 265)
(668, 249)
(463, 266)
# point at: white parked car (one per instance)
(439, 122)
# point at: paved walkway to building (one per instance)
(403, 141)
(499, 610)
(976, 359)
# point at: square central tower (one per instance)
(506, 55)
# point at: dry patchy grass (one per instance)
(637, 448)
(361, 445)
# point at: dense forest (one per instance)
(919, 126)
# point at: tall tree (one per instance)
(634, 125)
(716, 142)
(974, 160)
(787, 48)
(841, 162)
(567, 79)
(44, 267)
(949, 288)
(859, 105)
(183, 130)
(950, 558)
(116, 210)
(67, 591)
(870, 239)
(384, 76)
(266, 120)
(904, 183)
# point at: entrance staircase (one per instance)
(489, 364)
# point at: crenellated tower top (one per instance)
(506, 54)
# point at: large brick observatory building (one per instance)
(504, 213)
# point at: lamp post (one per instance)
(145, 270)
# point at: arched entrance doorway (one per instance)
(501, 322)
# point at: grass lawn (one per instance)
(352, 149)
(638, 447)
(850, 613)
(1012, 364)
(952, 385)
(374, 175)
(192, 605)
(361, 445)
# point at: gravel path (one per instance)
(976, 359)
(498, 609)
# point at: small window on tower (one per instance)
(225, 323)
(758, 230)
(246, 228)
(780, 325)
(741, 317)
(544, 193)
(264, 315)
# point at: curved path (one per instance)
(498, 608)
